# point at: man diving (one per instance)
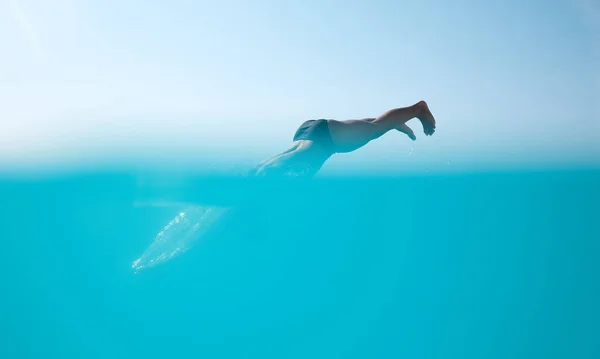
(317, 140)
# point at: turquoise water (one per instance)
(467, 265)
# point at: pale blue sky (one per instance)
(507, 81)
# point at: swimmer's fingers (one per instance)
(405, 129)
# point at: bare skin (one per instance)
(306, 157)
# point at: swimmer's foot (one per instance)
(426, 118)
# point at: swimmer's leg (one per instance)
(350, 135)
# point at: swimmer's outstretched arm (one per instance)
(353, 134)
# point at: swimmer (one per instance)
(317, 140)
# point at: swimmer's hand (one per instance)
(405, 129)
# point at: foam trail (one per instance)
(180, 235)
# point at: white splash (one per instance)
(179, 235)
